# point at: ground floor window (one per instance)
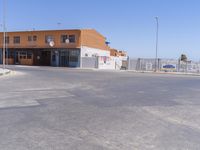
(75, 53)
(25, 55)
(44, 57)
(29, 55)
(22, 57)
(9, 54)
(70, 58)
(74, 58)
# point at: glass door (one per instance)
(64, 59)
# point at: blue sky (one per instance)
(128, 24)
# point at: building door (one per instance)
(74, 59)
(70, 58)
(45, 58)
(64, 59)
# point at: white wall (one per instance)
(111, 61)
(92, 52)
(118, 62)
(106, 62)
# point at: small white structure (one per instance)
(104, 60)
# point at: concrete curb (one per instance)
(165, 73)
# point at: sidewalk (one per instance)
(4, 71)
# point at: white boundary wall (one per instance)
(105, 62)
(103, 59)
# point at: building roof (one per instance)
(53, 30)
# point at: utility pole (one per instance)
(4, 33)
(156, 58)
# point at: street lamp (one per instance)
(4, 32)
(156, 59)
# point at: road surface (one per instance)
(45, 108)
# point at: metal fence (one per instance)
(167, 65)
(145, 64)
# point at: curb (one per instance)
(165, 73)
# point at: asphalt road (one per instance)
(44, 108)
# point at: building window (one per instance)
(29, 55)
(16, 40)
(7, 40)
(74, 53)
(63, 38)
(29, 38)
(23, 55)
(34, 38)
(72, 38)
(9, 54)
(73, 58)
(49, 38)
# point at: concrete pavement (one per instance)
(60, 109)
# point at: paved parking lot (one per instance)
(44, 108)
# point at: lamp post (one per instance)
(156, 58)
(4, 33)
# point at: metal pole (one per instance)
(157, 26)
(6, 47)
(4, 32)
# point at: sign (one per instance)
(168, 67)
(105, 62)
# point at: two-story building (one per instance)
(53, 47)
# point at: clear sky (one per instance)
(128, 24)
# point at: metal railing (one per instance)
(165, 65)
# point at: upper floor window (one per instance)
(49, 38)
(32, 38)
(63, 38)
(72, 38)
(7, 40)
(16, 40)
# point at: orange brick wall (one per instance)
(90, 38)
(40, 43)
(113, 52)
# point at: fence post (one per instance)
(128, 63)
(97, 60)
(138, 66)
(159, 64)
(179, 63)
